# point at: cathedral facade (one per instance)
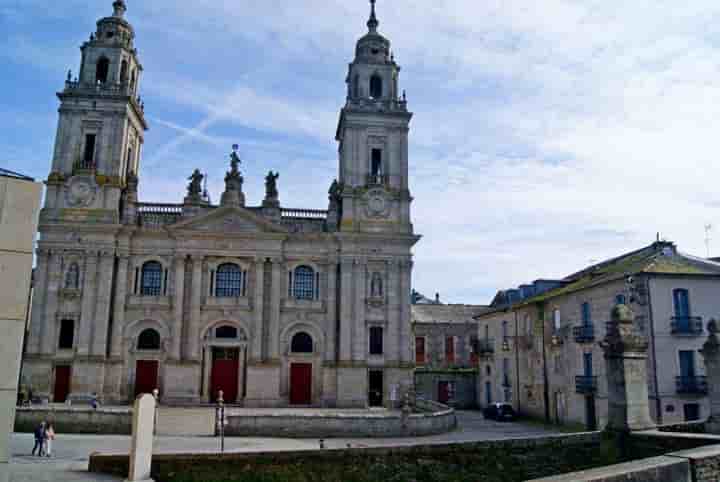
(273, 306)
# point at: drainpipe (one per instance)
(658, 402)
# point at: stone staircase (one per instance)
(185, 422)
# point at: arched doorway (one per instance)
(301, 373)
(225, 363)
(147, 371)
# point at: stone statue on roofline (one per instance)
(195, 186)
(272, 197)
(233, 195)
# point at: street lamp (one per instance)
(221, 420)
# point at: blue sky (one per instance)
(547, 135)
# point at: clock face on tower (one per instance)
(378, 205)
(81, 191)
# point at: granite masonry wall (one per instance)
(105, 421)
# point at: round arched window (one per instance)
(149, 340)
(301, 343)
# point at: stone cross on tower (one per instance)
(373, 21)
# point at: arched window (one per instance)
(301, 343)
(72, 277)
(151, 284)
(124, 72)
(226, 332)
(149, 340)
(376, 86)
(228, 281)
(303, 285)
(102, 70)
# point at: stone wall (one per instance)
(490, 461)
(351, 424)
(106, 421)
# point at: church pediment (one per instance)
(229, 220)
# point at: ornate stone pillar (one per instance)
(87, 313)
(178, 305)
(626, 359)
(102, 305)
(38, 302)
(193, 341)
(331, 313)
(275, 300)
(258, 291)
(53, 284)
(711, 353)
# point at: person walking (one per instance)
(39, 439)
(49, 438)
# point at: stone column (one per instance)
(38, 302)
(275, 300)
(53, 283)
(102, 306)
(360, 339)
(178, 305)
(87, 313)
(626, 359)
(331, 313)
(257, 328)
(193, 341)
(119, 308)
(711, 353)
(346, 313)
(405, 321)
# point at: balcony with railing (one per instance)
(692, 385)
(686, 325)
(584, 333)
(486, 347)
(585, 384)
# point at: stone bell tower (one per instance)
(373, 137)
(101, 124)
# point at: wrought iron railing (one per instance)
(584, 333)
(585, 384)
(686, 325)
(692, 385)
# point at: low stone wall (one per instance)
(490, 461)
(80, 420)
(351, 424)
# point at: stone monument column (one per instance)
(711, 353)
(626, 359)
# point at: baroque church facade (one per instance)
(274, 306)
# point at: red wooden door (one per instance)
(225, 372)
(444, 392)
(62, 384)
(146, 376)
(301, 384)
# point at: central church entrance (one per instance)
(225, 373)
(301, 384)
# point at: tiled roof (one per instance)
(446, 313)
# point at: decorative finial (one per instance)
(119, 8)
(373, 22)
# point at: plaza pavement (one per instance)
(71, 452)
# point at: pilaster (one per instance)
(119, 308)
(193, 341)
(87, 313)
(405, 317)
(102, 305)
(360, 342)
(711, 353)
(54, 281)
(257, 330)
(275, 301)
(39, 313)
(178, 304)
(331, 314)
(346, 309)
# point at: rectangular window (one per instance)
(687, 364)
(681, 300)
(67, 335)
(506, 372)
(89, 154)
(376, 162)
(691, 412)
(376, 340)
(450, 349)
(419, 350)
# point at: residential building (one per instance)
(447, 352)
(553, 337)
(272, 305)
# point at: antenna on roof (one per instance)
(708, 229)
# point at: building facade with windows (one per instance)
(274, 306)
(553, 337)
(447, 353)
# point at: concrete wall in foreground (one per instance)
(19, 203)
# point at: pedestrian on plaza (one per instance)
(40, 435)
(49, 438)
(95, 404)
